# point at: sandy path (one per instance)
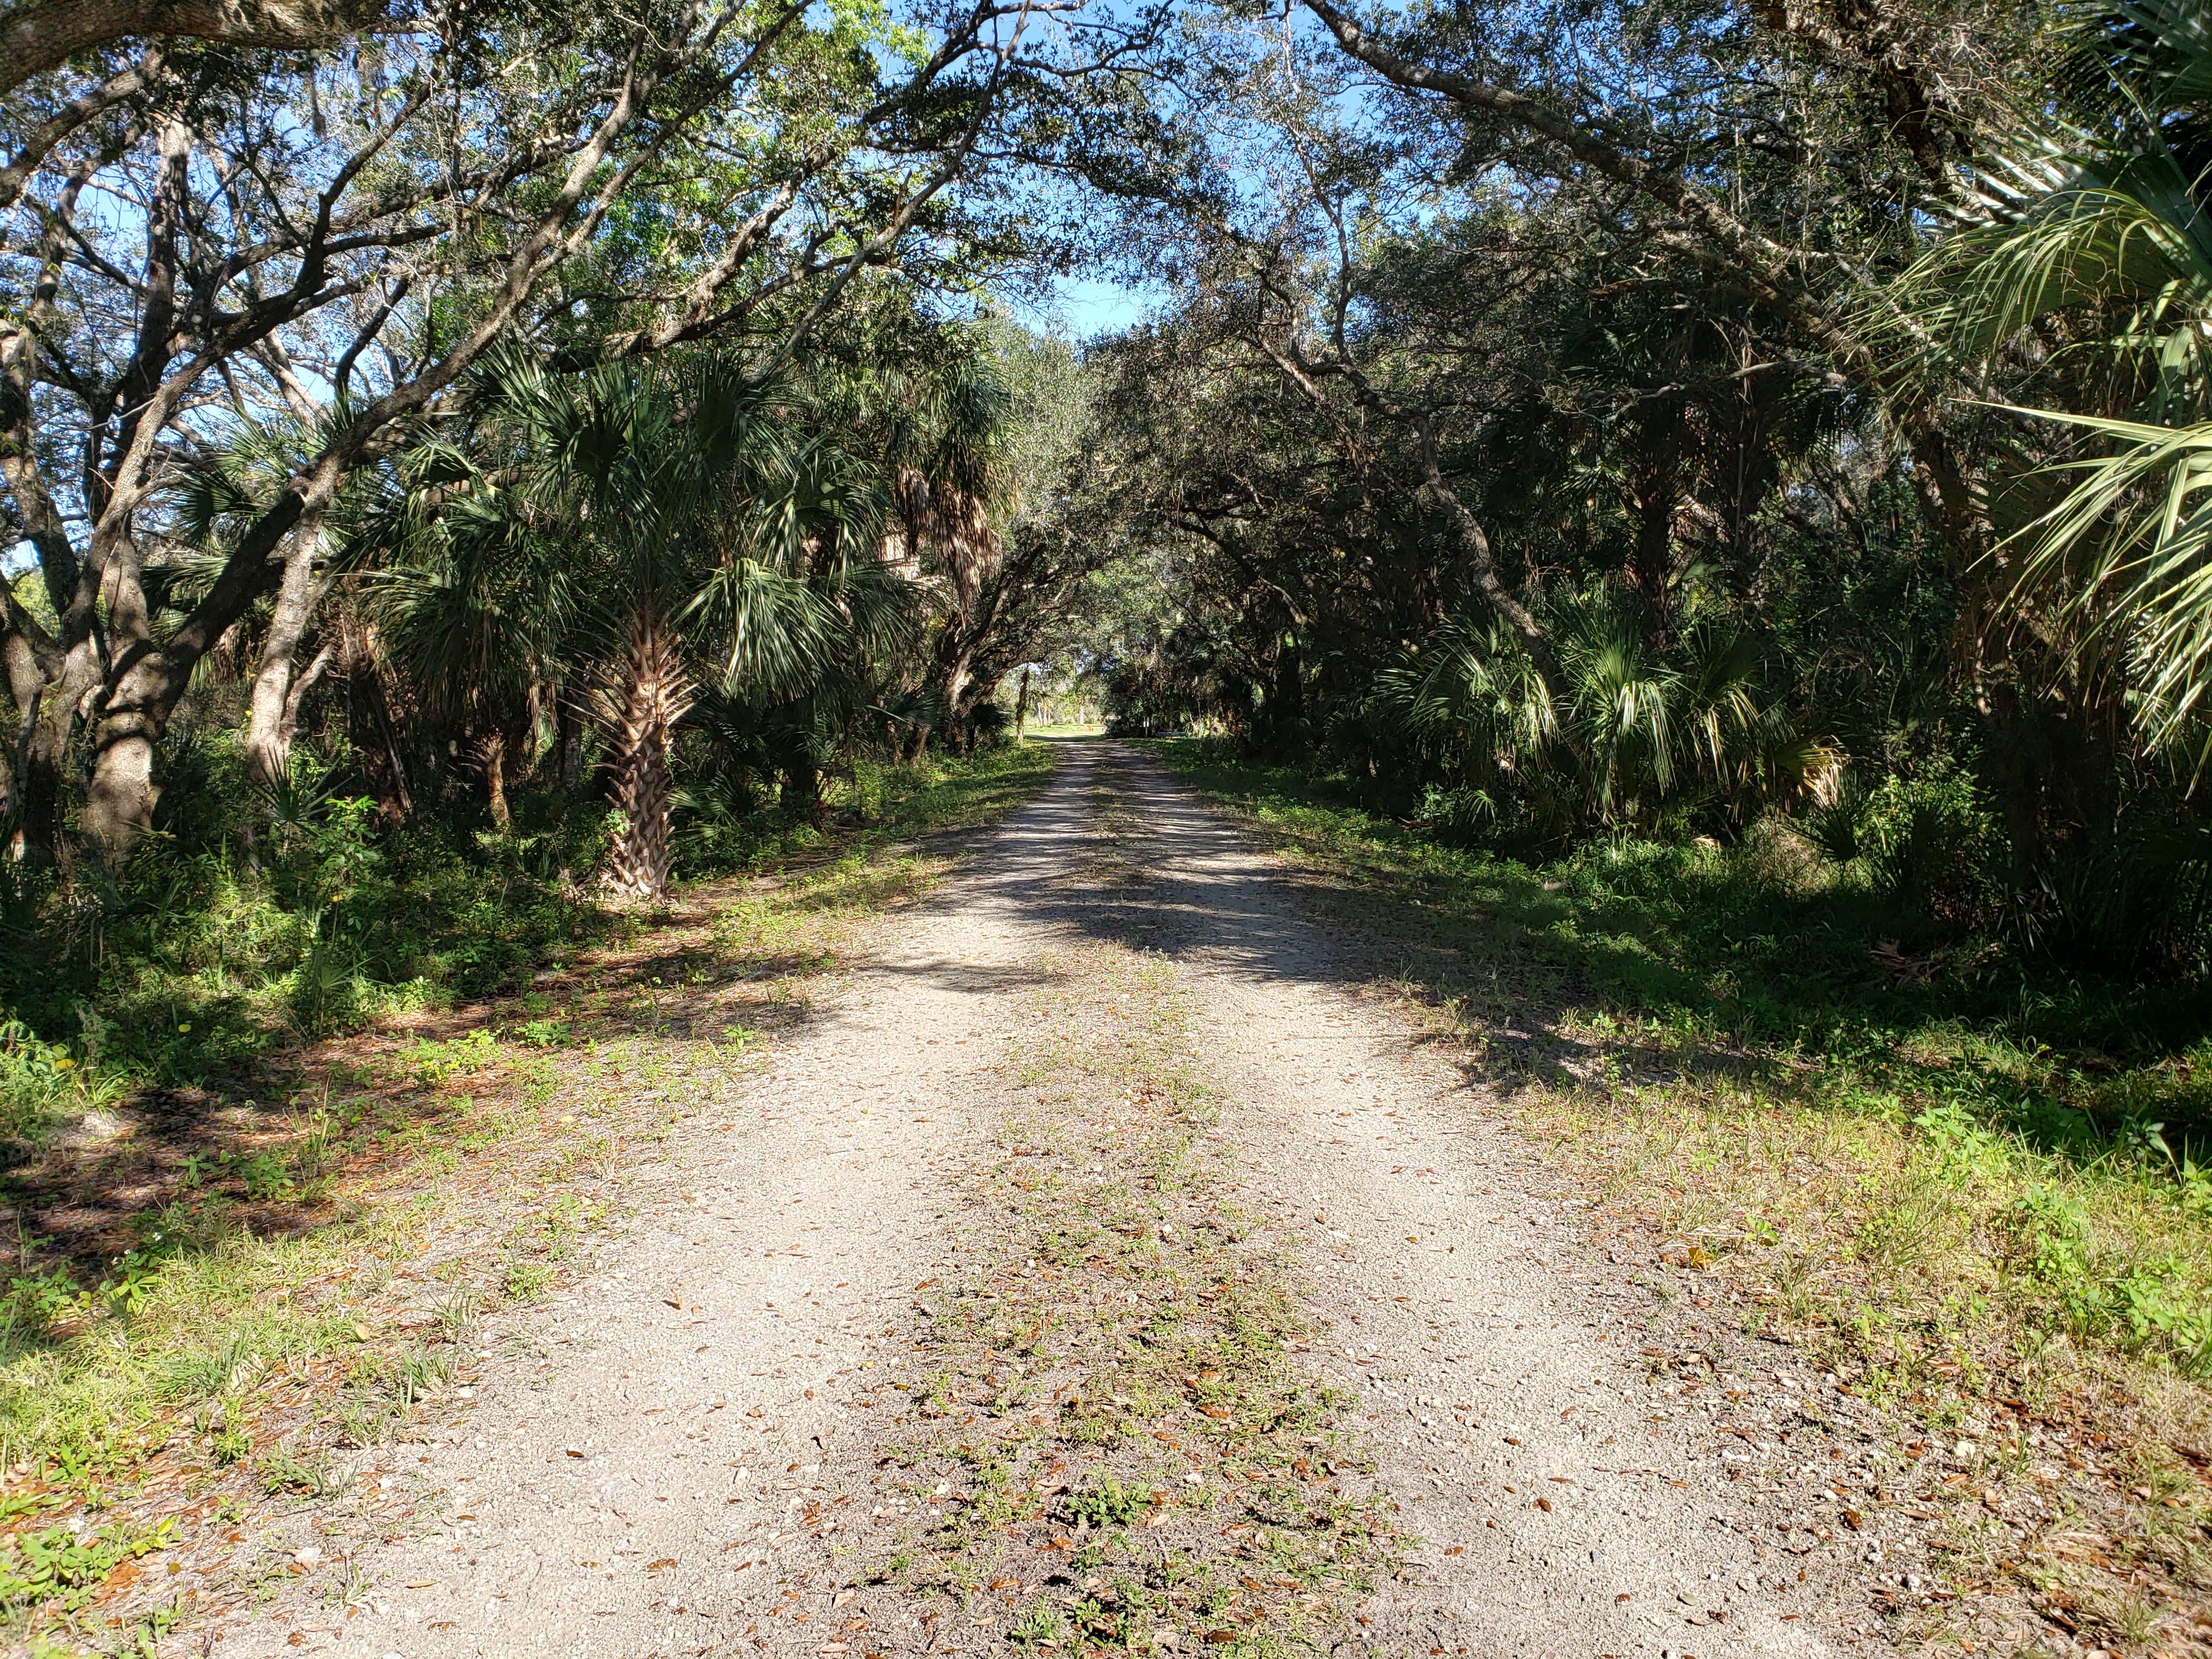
(709, 1366)
(1492, 1380)
(790, 1211)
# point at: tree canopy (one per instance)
(1647, 414)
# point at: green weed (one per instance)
(61, 1568)
(1108, 1503)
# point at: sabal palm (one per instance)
(2091, 229)
(810, 610)
(579, 520)
(478, 603)
(951, 467)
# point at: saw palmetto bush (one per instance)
(1625, 729)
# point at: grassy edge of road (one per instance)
(2032, 1315)
(309, 1274)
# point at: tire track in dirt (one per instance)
(732, 1450)
(1512, 1409)
(598, 1507)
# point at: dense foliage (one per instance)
(1639, 418)
(568, 449)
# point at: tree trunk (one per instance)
(952, 681)
(368, 725)
(1656, 487)
(572, 748)
(267, 731)
(297, 697)
(119, 800)
(648, 691)
(1474, 544)
(40, 35)
(1022, 707)
(33, 797)
(491, 756)
(802, 789)
(49, 696)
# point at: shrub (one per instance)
(41, 1082)
(1930, 837)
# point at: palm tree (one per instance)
(949, 455)
(477, 601)
(562, 540)
(1629, 723)
(2087, 254)
(951, 468)
(644, 694)
(809, 606)
(655, 535)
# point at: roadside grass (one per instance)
(1118, 1448)
(1964, 1185)
(208, 957)
(212, 1310)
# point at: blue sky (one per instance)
(1086, 306)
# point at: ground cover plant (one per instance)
(235, 1281)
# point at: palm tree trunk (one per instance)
(649, 692)
(491, 754)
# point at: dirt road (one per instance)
(1107, 1264)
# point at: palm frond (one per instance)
(2129, 550)
(778, 628)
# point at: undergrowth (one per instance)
(219, 946)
